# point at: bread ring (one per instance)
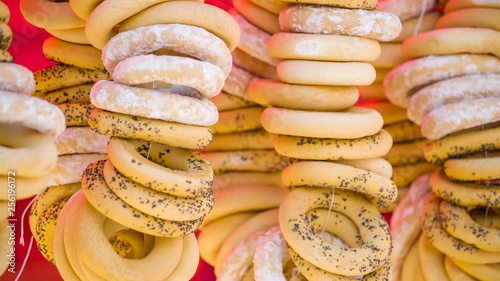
(390, 56)
(183, 173)
(448, 244)
(80, 55)
(48, 14)
(326, 73)
(205, 77)
(464, 194)
(454, 272)
(379, 190)
(90, 224)
(81, 140)
(213, 19)
(83, 8)
(403, 131)
(253, 40)
(4, 14)
(69, 167)
(153, 104)
(25, 187)
(406, 78)
(376, 165)
(352, 4)
(258, 160)
(470, 17)
(238, 120)
(406, 153)
(16, 78)
(258, 16)
(431, 260)
(325, 124)
(404, 175)
(258, 139)
(272, 6)
(236, 178)
(452, 90)
(332, 258)
(30, 153)
(479, 271)
(409, 26)
(73, 94)
(316, 19)
(454, 117)
(480, 41)
(269, 92)
(459, 224)
(475, 169)
(323, 47)
(253, 65)
(373, 92)
(72, 35)
(390, 113)
(406, 9)
(453, 5)
(373, 146)
(200, 44)
(106, 202)
(60, 76)
(156, 203)
(224, 101)
(31, 112)
(238, 81)
(188, 265)
(134, 127)
(76, 113)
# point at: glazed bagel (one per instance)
(81, 140)
(322, 47)
(134, 127)
(372, 146)
(316, 19)
(153, 104)
(201, 44)
(403, 80)
(69, 167)
(479, 41)
(269, 92)
(16, 78)
(350, 123)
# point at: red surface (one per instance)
(27, 51)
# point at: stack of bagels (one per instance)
(5, 34)
(449, 87)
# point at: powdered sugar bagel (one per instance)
(205, 77)
(16, 78)
(185, 39)
(329, 20)
(112, 96)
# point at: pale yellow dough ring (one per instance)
(452, 90)
(237, 178)
(380, 190)
(135, 127)
(209, 17)
(453, 5)
(272, 6)
(238, 120)
(458, 116)
(376, 165)
(404, 79)
(4, 13)
(256, 139)
(70, 167)
(253, 65)
(287, 45)
(26, 152)
(257, 160)
(373, 92)
(471, 17)
(405, 9)
(80, 55)
(269, 92)
(253, 40)
(24, 187)
(83, 8)
(224, 101)
(16, 78)
(326, 73)
(238, 81)
(376, 25)
(350, 4)
(390, 56)
(49, 14)
(478, 271)
(350, 123)
(72, 35)
(333, 149)
(390, 113)
(409, 26)
(81, 140)
(473, 169)
(185, 39)
(205, 77)
(115, 97)
(258, 16)
(452, 40)
(31, 112)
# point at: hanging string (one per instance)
(420, 18)
(25, 258)
(21, 240)
(329, 212)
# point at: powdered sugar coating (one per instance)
(81, 140)
(405, 9)
(31, 112)
(153, 104)
(205, 77)
(16, 78)
(270, 255)
(238, 81)
(454, 117)
(329, 20)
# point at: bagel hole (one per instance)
(131, 244)
(170, 157)
(486, 217)
(172, 89)
(25, 136)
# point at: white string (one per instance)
(420, 18)
(21, 240)
(329, 212)
(25, 259)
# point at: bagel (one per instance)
(16, 78)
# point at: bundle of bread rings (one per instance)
(457, 111)
(329, 137)
(5, 34)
